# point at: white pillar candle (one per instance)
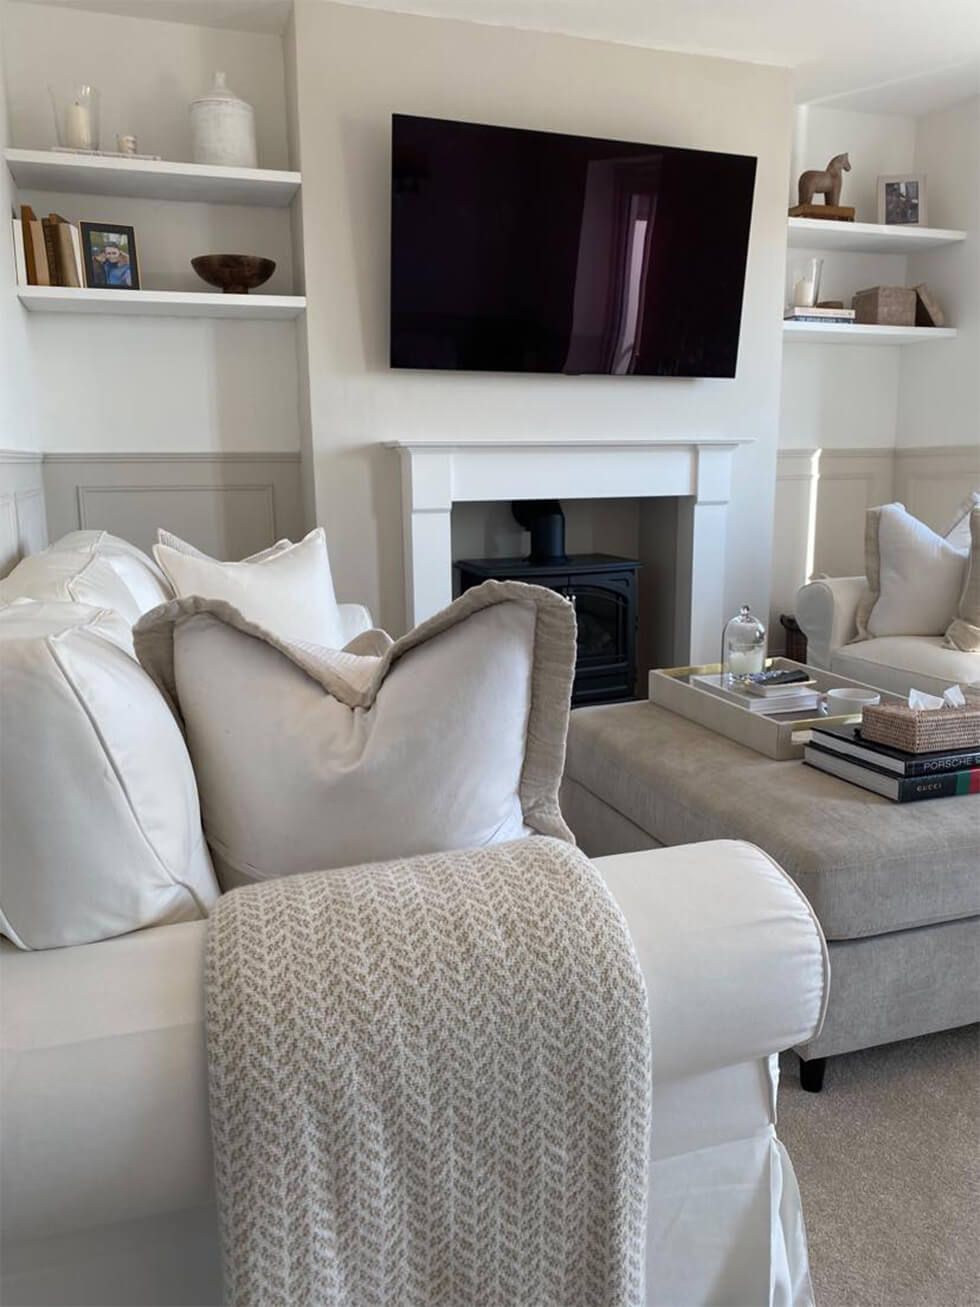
(78, 127)
(743, 662)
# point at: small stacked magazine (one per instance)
(818, 315)
(892, 773)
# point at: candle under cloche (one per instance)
(743, 647)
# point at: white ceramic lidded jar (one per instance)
(223, 128)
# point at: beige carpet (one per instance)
(888, 1160)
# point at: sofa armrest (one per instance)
(735, 963)
(826, 610)
(354, 619)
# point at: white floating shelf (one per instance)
(854, 333)
(867, 237)
(159, 303)
(83, 174)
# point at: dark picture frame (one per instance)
(902, 200)
(109, 256)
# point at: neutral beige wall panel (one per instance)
(933, 483)
(227, 505)
(23, 527)
(797, 473)
(850, 482)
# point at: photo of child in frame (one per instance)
(109, 251)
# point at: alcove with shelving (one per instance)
(177, 364)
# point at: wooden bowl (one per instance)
(235, 274)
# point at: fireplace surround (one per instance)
(696, 471)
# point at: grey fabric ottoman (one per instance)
(896, 887)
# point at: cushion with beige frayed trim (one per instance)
(309, 758)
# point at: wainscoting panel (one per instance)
(23, 528)
(229, 505)
(822, 495)
(851, 480)
(797, 480)
(933, 483)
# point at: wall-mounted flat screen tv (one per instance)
(526, 251)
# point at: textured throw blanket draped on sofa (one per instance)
(430, 1085)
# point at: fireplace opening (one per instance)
(603, 588)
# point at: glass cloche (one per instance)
(743, 646)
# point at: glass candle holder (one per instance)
(76, 116)
(806, 291)
(743, 647)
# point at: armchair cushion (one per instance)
(899, 662)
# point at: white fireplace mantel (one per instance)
(437, 473)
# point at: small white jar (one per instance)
(223, 128)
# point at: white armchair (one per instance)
(826, 610)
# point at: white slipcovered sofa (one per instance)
(107, 1184)
(826, 610)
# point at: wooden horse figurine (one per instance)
(826, 183)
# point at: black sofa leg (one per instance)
(812, 1073)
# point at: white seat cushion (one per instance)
(901, 662)
(287, 590)
(451, 738)
(98, 805)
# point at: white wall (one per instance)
(157, 384)
(17, 426)
(353, 69)
(876, 143)
(939, 396)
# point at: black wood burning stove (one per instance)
(601, 586)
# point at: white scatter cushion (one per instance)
(138, 572)
(288, 592)
(452, 737)
(98, 805)
(958, 534)
(71, 576)
(915, 577)
(183, 547)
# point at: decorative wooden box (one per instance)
(885, 306)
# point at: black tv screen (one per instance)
(525, 251)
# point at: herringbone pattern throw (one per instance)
(430, 1085)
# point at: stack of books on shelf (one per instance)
(47, 251)
(818, 315)
(894, 774)
(761, 699)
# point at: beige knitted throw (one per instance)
(430, 1085)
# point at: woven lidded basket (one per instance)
(922, 730)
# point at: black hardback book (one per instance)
(900, 789)
(847, 741)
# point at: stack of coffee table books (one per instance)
(892, 773)
(803, 697)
